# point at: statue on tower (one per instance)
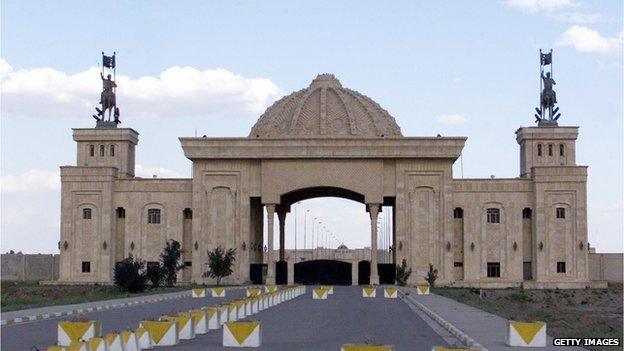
(547, 114)
(108, 100)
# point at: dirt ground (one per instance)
(568, 313)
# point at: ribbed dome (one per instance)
(325, 109)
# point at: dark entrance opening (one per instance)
(387, 273)
(281, 272)
(255, 273)
(323, 272)
(364, 272)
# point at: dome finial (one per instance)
(326, 80)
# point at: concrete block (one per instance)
(224, 312)
(270, 288)
(330, 289)
(242, 334)
(251, 292)
(218, 292)
(319, 294)
(96, 344)
(390, 293)
(232, 312)
(68, 332)
(198, 293)
(200, 321)
(212, 318)
(129, 340)
(526, 334)
(240, 308)
(77, 346)
(186, 329)
(366, 347)
(369, 291)
(162, 333)
(143, 338)
(56, 348)
(114, 342)
(422, 289)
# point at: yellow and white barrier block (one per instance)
(77, 346)
(199, 320)
(242, 334)
(186, 329)
(96, 344)
(232, 312)
(198, 293)
(369, 291)
(218, 292)
(270, 288)
(240, 307)
(251, 292)
(319, 294)
(422, 289)
(69, 332)
(526, 334)
(129, 340)
(143, 338)
(390, 293)
(224, 312)
(56, 348)
(248, 306)
(114, 342)
(330, 289)
(366, 347)
(162, 333)
(212, 318)
(254, 305)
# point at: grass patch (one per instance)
(568, 313)
(29, 294)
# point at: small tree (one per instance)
(402, 273)
(129, 275)
(431, 276)
(169, 259)
(220, 263)
(155, 274)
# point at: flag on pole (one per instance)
(108, 61)
(546, 59)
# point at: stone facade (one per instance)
(327, 140)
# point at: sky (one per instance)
(456, 68)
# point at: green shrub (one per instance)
(129, 275)
(402, 273)
(169, 259)
(431, 276)
(220, 263)
(521, 296)
(155, 275)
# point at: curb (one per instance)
(38, 317)
(458, 333)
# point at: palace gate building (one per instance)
(327, 140)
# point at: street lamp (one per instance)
(305, 227)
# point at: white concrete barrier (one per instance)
(200, 321)
(242, 334)
(319, 294)
(369, 291)
(212, 318)
(68, 332)
(240, 307)
(114, 342)
(78, 346)
(224, 313)
(252, 292)
(422, 289)
(143, 338)
(232, 312)
(129, 340)
(270, 288)
(526, 334)
(390, 293)
(162, 333)
(218, 292)
(186, 329)
(96, 344)
(330, 289)
(198, 293)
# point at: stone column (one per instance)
(281, 216)
(354, 272)
(373, 209)
(291, 271)
(270, 279)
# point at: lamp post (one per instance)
(305, 227)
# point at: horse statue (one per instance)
(549, 97)
(107, 98)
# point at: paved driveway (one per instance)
(298, 324)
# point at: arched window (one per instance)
(86, 213)
(493, 215)
(91, 150)
(539, 149)
(550, 150)
(121, 212)
(561, 147)
(458, 213)
(527, 213)
(112, 150)
(153, 216)
(101, 150)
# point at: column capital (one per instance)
(270, 208)
(373, 210)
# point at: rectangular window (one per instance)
(539, 149)
(153, 216)
(458, 213)
(112, 150)
(561, 267)
(86, 267)
(493, 269)
(550, 151)
(561, 148)
(86, 213)
(493, 215)
(458, 264)
(527, 213)
(527, 271)
(560, 211)
(101, 150)
(91, 150)
(188, 264)
(121, 212)
(188, 213)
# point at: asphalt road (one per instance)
(298, 324)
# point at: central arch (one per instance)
(292, 197)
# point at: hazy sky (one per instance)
(457, 68)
